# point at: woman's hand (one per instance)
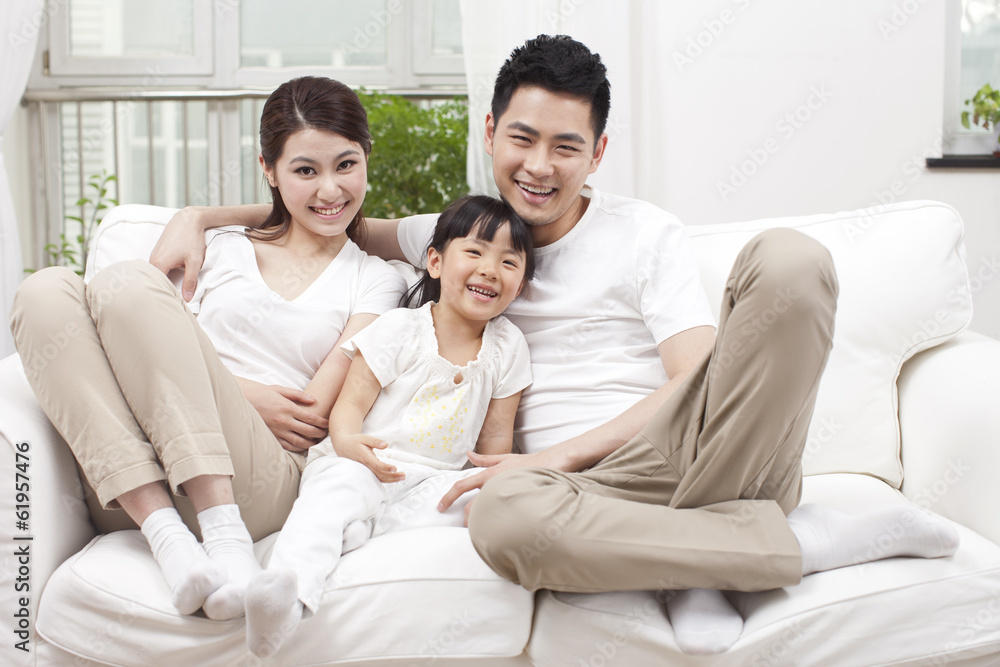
(182, 245)
(287, 413)
(358, 447)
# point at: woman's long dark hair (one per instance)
(309, 102)
(484, 215)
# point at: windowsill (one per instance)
(964, 162)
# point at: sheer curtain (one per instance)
(621, 32)
(20, 21)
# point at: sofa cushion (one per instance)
(899, 611)
(903, 288)
(415, 594)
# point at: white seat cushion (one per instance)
(420, 594)
(900, 611)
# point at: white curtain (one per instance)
(20, 22)
(622, 32)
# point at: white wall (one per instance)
(873, 72)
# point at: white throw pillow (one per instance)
(903, 288)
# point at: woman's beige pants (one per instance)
(132, 383)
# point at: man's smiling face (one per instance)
(543, 149)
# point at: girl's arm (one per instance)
(329, 379)
(360, 389)
(497, 433)
(298, 419)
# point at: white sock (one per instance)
(830, 539)
(229, 545)
(188, 570)
(704, 622)
(273, 611)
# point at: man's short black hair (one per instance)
(559, 64)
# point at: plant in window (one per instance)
(985, 112)
(418, 154)
(70, 251)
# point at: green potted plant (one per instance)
(985, 113)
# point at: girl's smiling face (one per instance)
(479, 278)
(322, 178)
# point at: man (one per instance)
(649, 463)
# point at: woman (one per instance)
(220, 399)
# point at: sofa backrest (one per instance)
(903, 288)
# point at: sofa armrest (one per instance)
(949, 413)
(57, 523)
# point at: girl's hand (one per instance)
(286, 412)
(358, 447)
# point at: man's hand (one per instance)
(286, 413)
(494, 464)
(358, 447)
(182, 245)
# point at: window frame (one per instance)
(410, 62)
(62, 63)
(956, 140)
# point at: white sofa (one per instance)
(423, 597)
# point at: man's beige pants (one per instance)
(134, 385)
(698, 498)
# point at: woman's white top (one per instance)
(259, 334)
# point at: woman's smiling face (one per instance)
(322, 178)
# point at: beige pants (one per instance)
(698, 498)
(134, 385)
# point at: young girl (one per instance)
(425, 387)
(220, 401)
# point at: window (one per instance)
(401, 44)
(168, 95)
(973, 59)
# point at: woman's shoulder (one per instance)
(227, 246)
(368, 264)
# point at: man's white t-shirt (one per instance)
(422, 412)
(262, 337)
(623, 280)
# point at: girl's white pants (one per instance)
(338, 495)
